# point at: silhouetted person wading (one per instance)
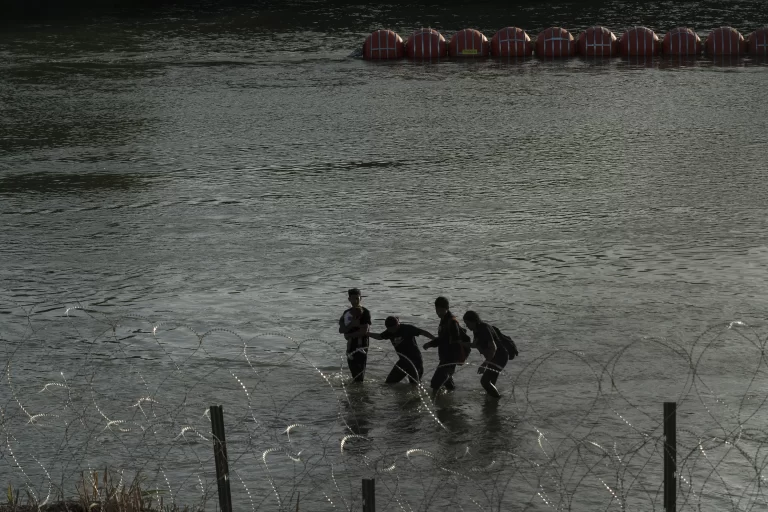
(403, 338)
(449, 349)
(354, 325)
(489, 344)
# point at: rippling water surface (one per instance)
(182, 170)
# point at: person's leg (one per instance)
(419, 370)
(449, 384)
(500, 360)
(439, 377)
(491, 374)
(487, 381)
(397, 374)
(357, 359)
(443, 376)
(412, 364)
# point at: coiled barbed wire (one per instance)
(575, 431)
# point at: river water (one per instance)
(186, 195)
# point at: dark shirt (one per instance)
(448, 338)
(357, 341)
(404, 340)
(485, 338)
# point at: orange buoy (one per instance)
(426, 44)
(469, 43)
(681, 41)
(555, 42)
(639, 41)
(597, 42)
(511, 42)
(383, 44)
(725, 41)
(757, 42)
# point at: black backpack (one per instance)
(506, 342)
(464, 337)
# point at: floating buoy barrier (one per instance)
(725, 41)
(511, 42)
(555, 42)
(469, 43)
(597, 42)
(681, 41)
(640, 42)
(757, 42)
(426, 44)
(383, 44)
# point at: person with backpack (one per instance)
(497, 351)
(450, 350)
(403, 338)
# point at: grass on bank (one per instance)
(94, 494)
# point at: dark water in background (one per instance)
(232, 168)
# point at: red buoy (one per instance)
(597, 42)
(469, 43)
(511, 42)
(426, 44)
(725, 41)
(640, 41)
(555, 42)
(383, 44)
(757, 42)
(681, 41)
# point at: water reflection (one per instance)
(727, 61)
(68, 183)
(678, 61)
(640, 61)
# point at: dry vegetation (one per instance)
(97, 493)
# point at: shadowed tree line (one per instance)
(58, 8)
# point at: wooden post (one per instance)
(670, 456)
(220, 455)
(369, 495)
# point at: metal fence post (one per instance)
(369, 495)
(670, 456)
(220, 455)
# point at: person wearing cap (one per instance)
(354, 325)
(486, 342)
(403, 338)
(449, 349)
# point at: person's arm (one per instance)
(347, 329)
(426, 334)
(435, 342)
(364, 325)
(376, 336)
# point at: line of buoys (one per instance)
(639, 42)
(757, 42)
(383, 44)
(511, 42)
(556, 42)
(725, 41)
(597, 42)
(426, 44)
(469, 43)
(681, 41)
